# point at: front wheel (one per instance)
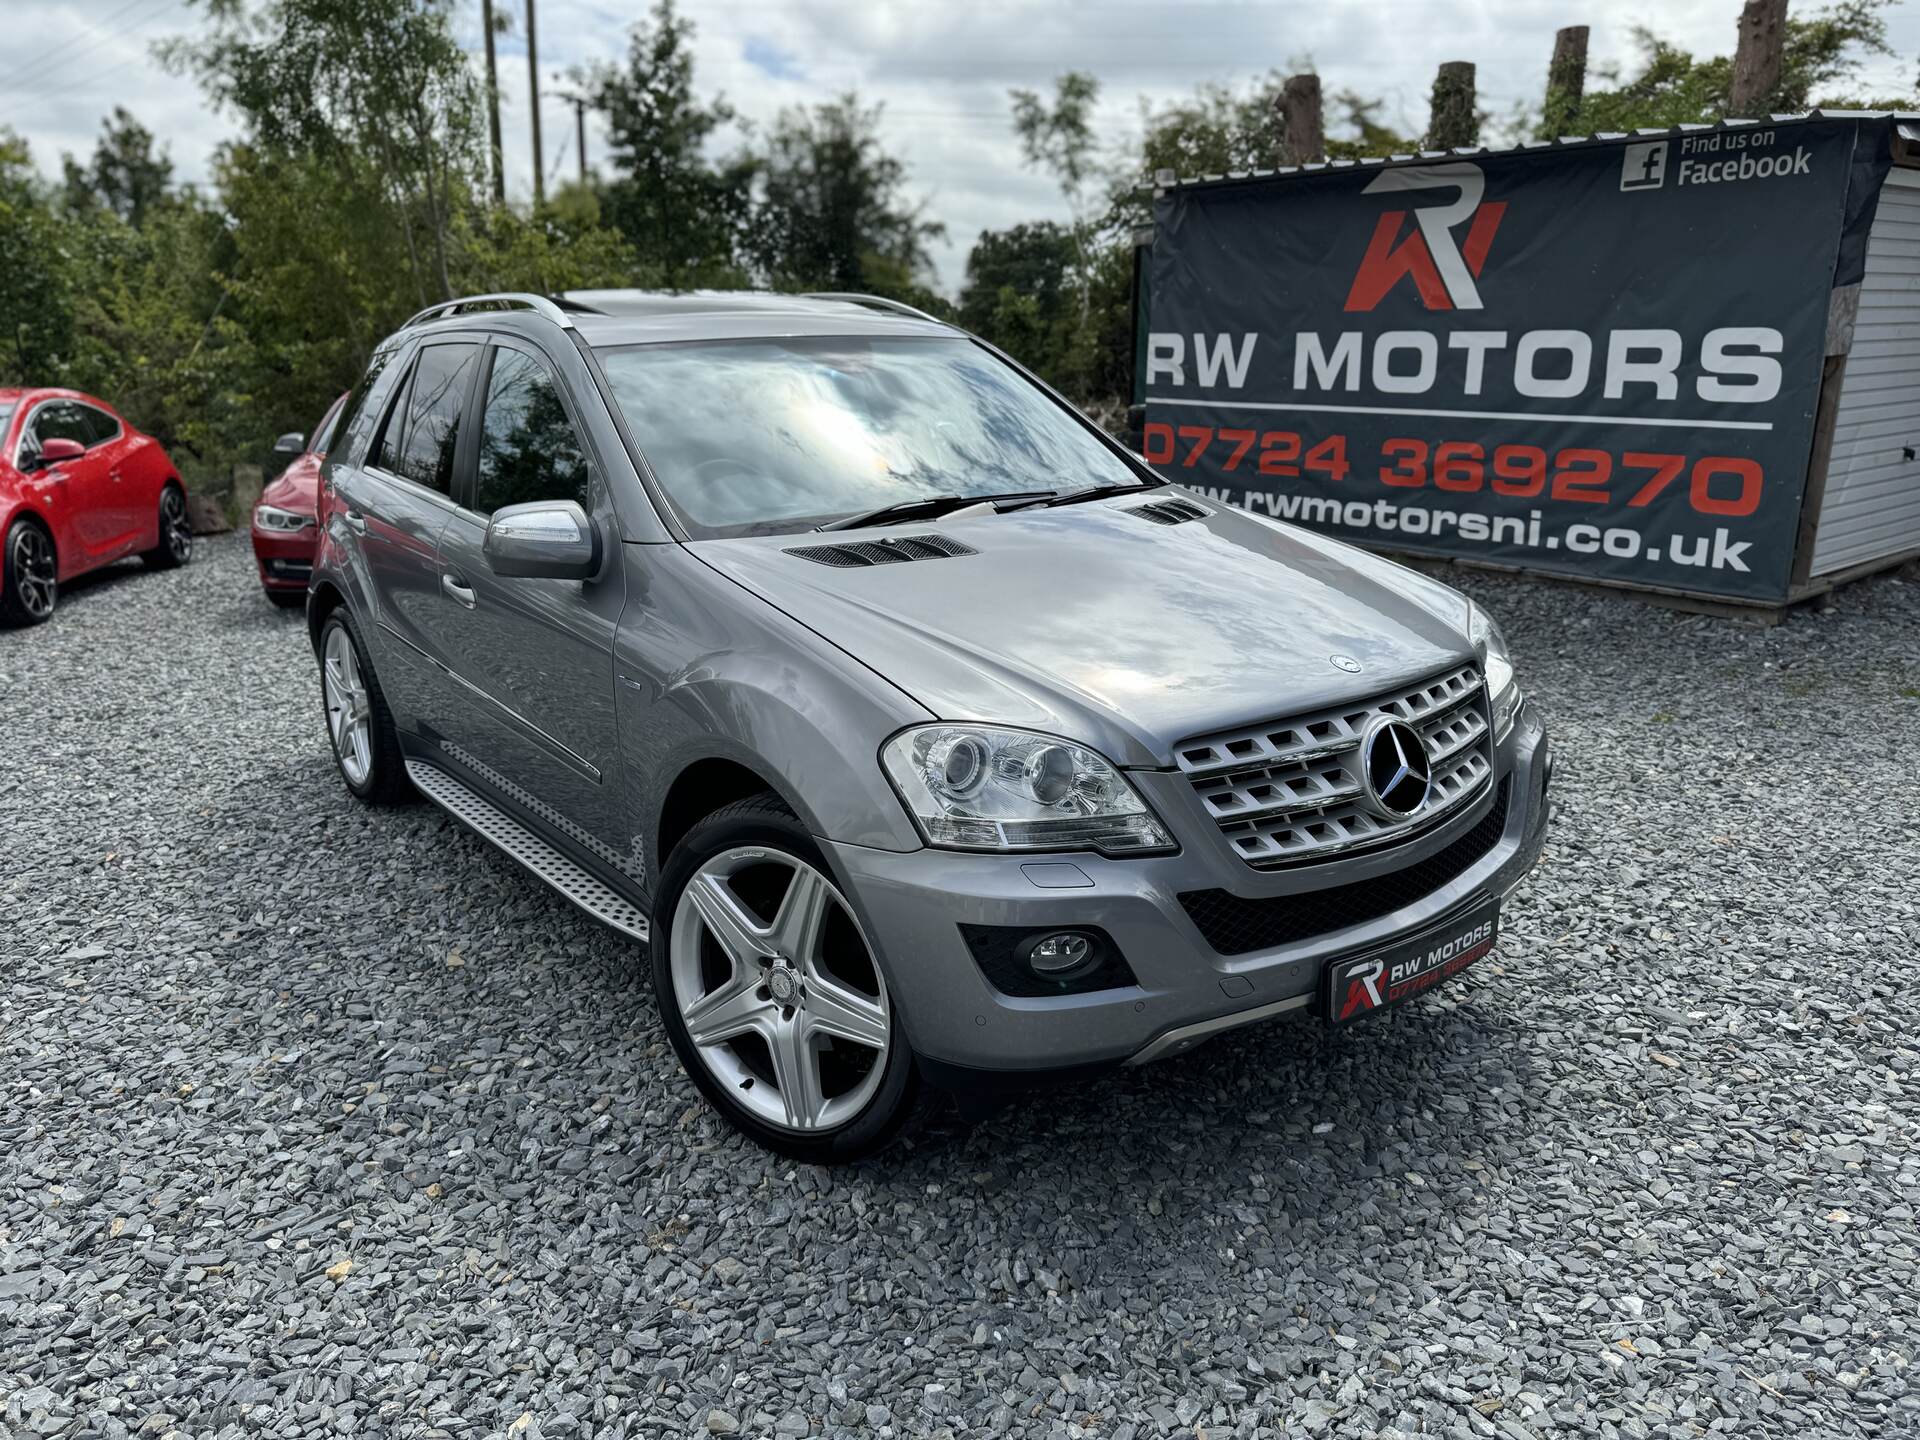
(29, 578)
(771, 994)
(176, 532)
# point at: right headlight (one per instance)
(1503, 690)
(986, 787)
(272, 517)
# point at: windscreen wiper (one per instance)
(1101, 492)
(928, 506)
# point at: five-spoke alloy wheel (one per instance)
(772, 993)
(359, 726)
(349, 712)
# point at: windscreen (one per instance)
(768, 435)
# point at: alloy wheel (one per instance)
(777, 987)
(176, 533)
(349, 709)
(35, 577)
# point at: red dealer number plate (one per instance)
(1358, 988)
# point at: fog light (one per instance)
(1060, 955)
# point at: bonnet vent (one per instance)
(1171, 511)
(857, 554)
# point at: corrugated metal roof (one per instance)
(1565, 142)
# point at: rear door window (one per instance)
(529, 449)
(435, 399)
(102, 426)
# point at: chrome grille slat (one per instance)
(1291, 791)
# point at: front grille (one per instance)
(1234, 925)
(1291, 792)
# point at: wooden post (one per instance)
(1566, 83)
(493, 107)
(1455, 121)
(580, 132)
(533, 105)
(1302, 134)
(1757, 57)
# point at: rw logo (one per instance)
(1442, 270)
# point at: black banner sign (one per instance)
(1601, 359)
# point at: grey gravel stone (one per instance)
(319, 1121)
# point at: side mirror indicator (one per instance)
(543, 540)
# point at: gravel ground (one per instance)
(321, 1121)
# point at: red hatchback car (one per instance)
(79, 488)
(285, 535)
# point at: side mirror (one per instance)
(291, 443)
(542, 540)
(57, 451)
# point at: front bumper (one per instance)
(914, 903)
(285, 557)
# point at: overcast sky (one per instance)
(943, 69)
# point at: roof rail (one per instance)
(877, 302)
(501, 300)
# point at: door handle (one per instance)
(455, 590)
(357, 521)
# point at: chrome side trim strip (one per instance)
(509, 835)
(1185, 1037)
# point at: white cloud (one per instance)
(943, 71)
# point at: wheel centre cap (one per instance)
(783, 983)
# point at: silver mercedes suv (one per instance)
(931, 741)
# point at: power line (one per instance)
(99, 33)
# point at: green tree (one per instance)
(359, 82)
(36, 274)
(126, 175)
(1021, 294)
(833, 212)
(1669, 86)
(684, 217)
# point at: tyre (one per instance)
(176, 532)
(359, 726)
(29, 575)
(771, 995)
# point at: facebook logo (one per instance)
(1644, 167)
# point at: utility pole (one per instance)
(1303, 136)
(1757, 58)
(1566, 83)
(493, 107)
(579, 103)
(533, 104)
(1454, 123)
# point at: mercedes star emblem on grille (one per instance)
(1398, 770)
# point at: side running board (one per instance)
(493, 824)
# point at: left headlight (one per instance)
(984, 787)
(272, 517)
(1497, 663)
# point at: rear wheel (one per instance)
(771, 994)
(29, 575)
(176, 532)
(359, 725)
